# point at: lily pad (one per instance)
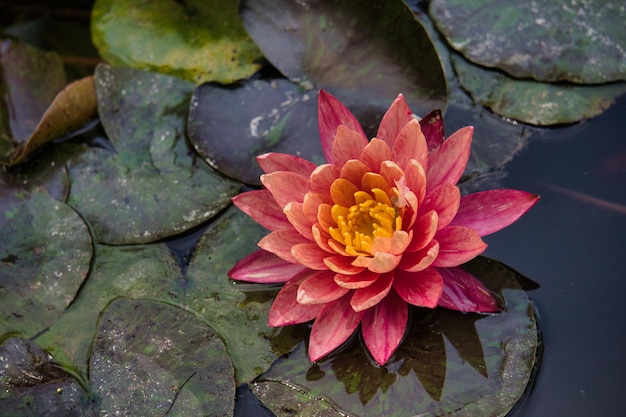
(197, 40)
(45, 252)
(38, 107)
(152, 185)
(363, 52)
(32, 384)
(271, 115)
(287, 401)
(578, 41)
(136, 271)
(237, 312)
(151, 358)
(449, 363)
(534, 102)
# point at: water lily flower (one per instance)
(380, 226)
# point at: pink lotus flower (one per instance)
(380, 226)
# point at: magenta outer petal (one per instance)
(333, 326)
(280, 243)
(396, 117)
(286, 310)
(432, 128)
(260, 205)
(332, 113)
(457, 245)
(371, 295)
(320, 288)
(444, 199)
(383, 327)
(422, 289)
(264, 267)
(463, 292)
(274, 161)
(286, 187)
(448, 162)
(492, 210)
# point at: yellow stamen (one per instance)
(372, 215)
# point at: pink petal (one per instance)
(381, 262)
(323, 177)
(421, 259)
(322, 238)
(396, 117)
(457, 245)
(448, 162)
(360, 280)
(415, 178)
(286, 186)
(391, 172)
(348, 145)
(410, 144)
(324, 217)
(286, 310)
(320, 288)
(353, 171)
(432, 127)
(280, 242)
(371, 295)
(375, 153)
(463, 292)
(342, 265)
(383, 327)
(264, 267)
(444, 199)
(342, 192)
(300, 221)
(422, 289)
(273, 161)
(333, 326)
(424, 230)
(312, 203)
(310, 255)
(331, 113)
(261, 206)
(492, 210)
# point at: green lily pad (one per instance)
(152, 185)
(272, 115)
(286, 401)
(38, 106)
(237, 312)
(534, 102)
(197, 40)
(449, 363)
(137, 271)
(45, 252)
(363, 52)
(32, 384)
(151, 358)
(580, 41)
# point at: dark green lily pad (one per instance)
(449, 363)
(45, 252)
(137, 271)
(38, 107)
(197, 40)
(363, 52)
(287, 401)
(32, 384)
(151, 358)
(237, 312)
(272, 115)
(152, 186)
(534, 102)
(580, 41)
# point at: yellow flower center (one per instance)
(370, 217)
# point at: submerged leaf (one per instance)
(578, 41)
(151, 358)
(197, 40)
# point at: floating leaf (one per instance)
(45, 253)
(32, 384)
(196, 40)
(364, 52)
(449, 363)
(271, 115)
(534, 102)
(136, 271)
(150, 186)
(578, 41)
(151, 358)
(238, 312)
(286, 401)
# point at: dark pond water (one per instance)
(573, 245)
